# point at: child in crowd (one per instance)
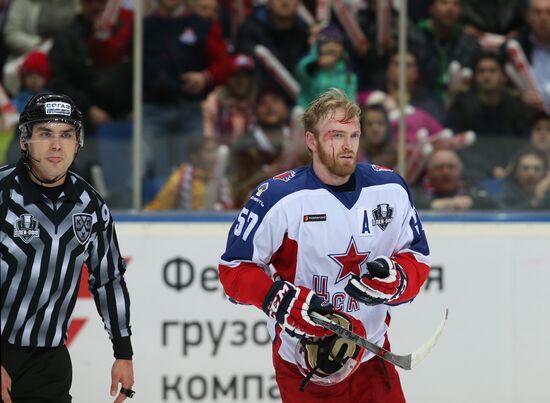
(325, 66)
(195, 186)
(34, 75)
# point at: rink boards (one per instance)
(191, 344)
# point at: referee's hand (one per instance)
(121, 373)
(6, 386)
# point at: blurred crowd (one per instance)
(225, 83)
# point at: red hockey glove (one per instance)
(384, 282)
(290, 306)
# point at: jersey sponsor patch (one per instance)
(82, 226)
(382, 215)
(315, 217)
(262, 188)
(26, 228)
(285, 176)
(57, 108)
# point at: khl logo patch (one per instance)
(82, 226)
(382, 215)
(26, 228)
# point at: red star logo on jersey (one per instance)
(349, 262)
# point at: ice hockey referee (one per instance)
(52, 222)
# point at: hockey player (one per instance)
(339, 238)
(51, 223)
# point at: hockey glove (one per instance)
(384, 282)
(290, 306)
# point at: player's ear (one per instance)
(311, 140)
(22, 144)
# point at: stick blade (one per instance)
(422, 352)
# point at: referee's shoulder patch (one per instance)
(82, 226)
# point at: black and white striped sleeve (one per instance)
(106, 267)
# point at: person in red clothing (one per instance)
(337, 238)
(184, 58)
(34, 75)
(228, 111)
(90, 62)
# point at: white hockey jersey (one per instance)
(296, 228)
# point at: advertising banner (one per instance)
(192, 344)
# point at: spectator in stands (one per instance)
(527, 186)
(259, 154)
(501, 17)
(208, 9)
(91, 63)
(377, 146)
(417, 94)
(540, 135)
(214, 11)
(443, 41)
(325, 66)
(417, 98)
(185, 56)
(34, 75)
(228, 110)
(277, 27)
(443, 188)
(535, 41)
(490, 108)
(29, 24)
(539, 140)
(371, 67)
(193, 186)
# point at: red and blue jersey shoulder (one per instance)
(263, 200)
(373, 175)
(255, 236)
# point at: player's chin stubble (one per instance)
(334, 167)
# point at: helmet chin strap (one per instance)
(27, 157)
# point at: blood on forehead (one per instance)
(337, 124)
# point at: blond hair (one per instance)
(326, 105)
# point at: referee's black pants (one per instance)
(38, 374)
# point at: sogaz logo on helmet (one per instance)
(58, 108)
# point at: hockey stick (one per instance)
(408, 361)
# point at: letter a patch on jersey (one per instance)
(82, 226)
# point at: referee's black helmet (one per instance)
(50, 108)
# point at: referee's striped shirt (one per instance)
(44, 245)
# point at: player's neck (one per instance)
(327, 177)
